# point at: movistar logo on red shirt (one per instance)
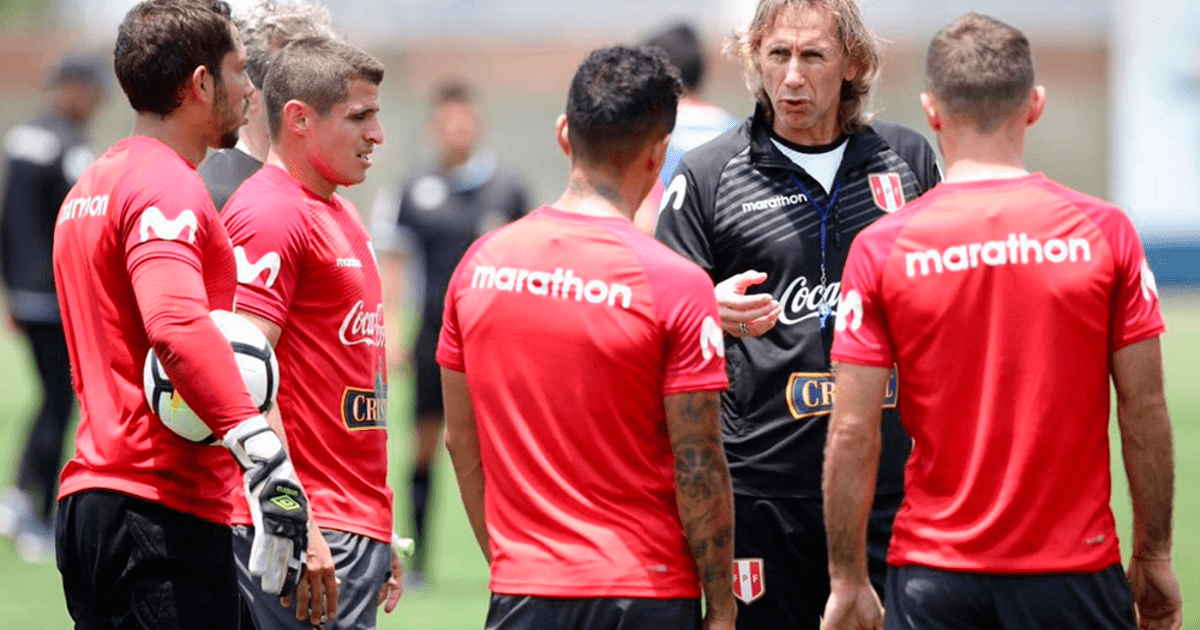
(362, 326)
(250, 271)
(712, 340)
(155, 223)
(560, 284)
(1016, 250)
(1149, 284)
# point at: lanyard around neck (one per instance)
(824, 310)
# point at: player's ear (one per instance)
(203, 85)
(658, 154)
(562, 135)
(296, 117)
(933, 117)
(1037, 105)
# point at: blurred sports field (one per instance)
(456, 598)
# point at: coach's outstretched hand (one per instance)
(1156, 595)
(746, 315)
(278, 506)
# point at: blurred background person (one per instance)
(441, 208)
(45, 157)
(697, 121)
(266, 27)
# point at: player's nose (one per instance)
(374, 132)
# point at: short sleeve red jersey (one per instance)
(571, 330)
(306, 264)
(141, 204)
(1001, 303)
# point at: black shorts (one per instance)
(362, 566)
(428, 375)
(931, 599)
(131, 563)
(524, 612)
(788, 537)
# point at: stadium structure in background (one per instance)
(1156, 130)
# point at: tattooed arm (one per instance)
(705, 498)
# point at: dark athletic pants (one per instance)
(931, 599)
(524, 612)
(42, 457)
(789, 536)
(131, 564)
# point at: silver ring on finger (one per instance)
(742, 327)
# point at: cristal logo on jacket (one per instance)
(362, 326)
(800, 301)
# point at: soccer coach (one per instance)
(1006, 302)
(769, 210)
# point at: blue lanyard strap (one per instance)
(824, 310)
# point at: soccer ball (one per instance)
(255, 360)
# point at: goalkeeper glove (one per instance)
(278, 506)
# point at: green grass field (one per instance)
(31, 596)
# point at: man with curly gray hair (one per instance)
(266, 27)
(769, 210)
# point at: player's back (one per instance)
(1003, 300)
(140, 199)
(565, 325)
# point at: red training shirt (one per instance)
(1001, 303)
(571, 330)
(306, 264)
(140, 255)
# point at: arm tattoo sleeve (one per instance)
(703, 490)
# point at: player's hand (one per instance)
(1157, 601)
(852, 606)
(277, 503)
(725, 619)
(317, 592)
(746, 315)
(390, 594)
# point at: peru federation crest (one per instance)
(749, 579)
(887, 190)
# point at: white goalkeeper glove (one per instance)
(278, 506)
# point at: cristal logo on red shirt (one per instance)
(362, 326)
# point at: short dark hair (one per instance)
(79, 69)
(621, 98)
(452, 91)
(162, 42)
(980, 69)
(316, 71)
(683, 49)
